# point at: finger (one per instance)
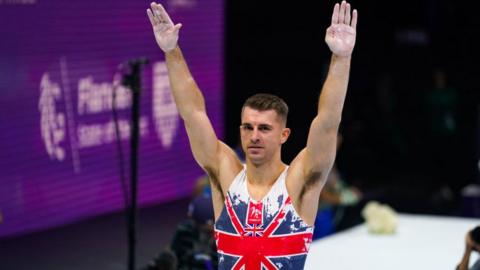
(151, 17)
(153, 8)
(175, 28)
(335, 14)
(157, 13)
(341, 15)
(354, 19)
(165, 15)
(347, 14)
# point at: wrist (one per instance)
(172, 50)
(173, 54)
(342, 58)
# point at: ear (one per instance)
(285, 135)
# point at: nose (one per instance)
(254, 138)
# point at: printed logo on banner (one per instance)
(94, 98)
(165, 111)
(52, 123)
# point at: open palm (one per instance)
(166, 33)
(341, 34)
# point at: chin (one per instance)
(256, 160)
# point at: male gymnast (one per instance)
(264, 209)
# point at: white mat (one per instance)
(421, 242)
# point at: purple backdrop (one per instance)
(58, 158)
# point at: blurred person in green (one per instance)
(442, 134)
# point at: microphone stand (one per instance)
(133, 80)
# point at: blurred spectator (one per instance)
(193, 244)
(202, 186)
(442, 105)
(166, 260)
(442, 124)
(472, 243)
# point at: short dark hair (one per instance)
(265, 102)
(475, 234)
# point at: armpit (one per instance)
(312, 179)
(213, 179)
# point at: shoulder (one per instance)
(228, 165)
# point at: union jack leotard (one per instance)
(257, 235)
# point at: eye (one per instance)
(264, 128)
(246, 127)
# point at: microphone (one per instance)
(133, 62)
(131, 72)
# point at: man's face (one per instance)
(262, 134)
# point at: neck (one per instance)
(264, 174)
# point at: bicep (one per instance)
(321, 146)
(215, 157)
(203, 140)
(309, 170)
(315, 161)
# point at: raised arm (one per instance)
(309, 170)
(188, 98)
(321, 143)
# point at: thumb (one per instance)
(177, 27)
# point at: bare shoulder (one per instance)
(221, 176)
(227, 166)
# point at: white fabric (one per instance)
(421, 242)
(271, 204)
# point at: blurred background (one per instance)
(410, 120)
(410, 127)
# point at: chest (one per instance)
(257, 192)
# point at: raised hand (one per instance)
(166, 33)
(341, 34)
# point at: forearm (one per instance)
(186, 93)
(463, 265)
(333, 93)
